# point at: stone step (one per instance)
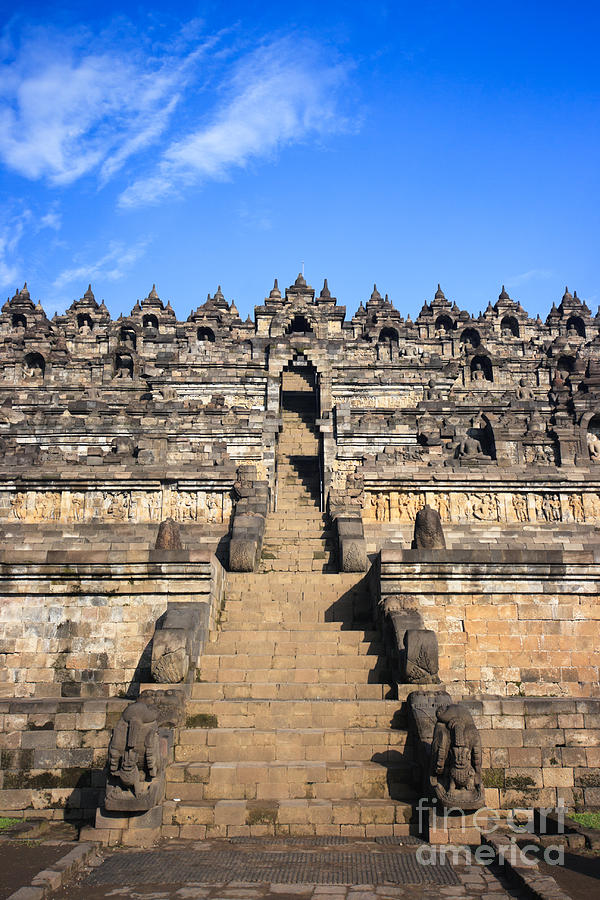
(297, 488)
(274, 714)
(289, 503)
(323, 645)
(239, 818)
(276, 597)
(331, 744)
(302, 517)
(303, 590)
(297, 553)
(303, 633)
(301, 567)
(300, 470)
(302, 559)
(295, 460)
(284, 527)
(305, 542)
(306, 515)
(281, 521)
(285, 662)
(342, 581)
(345, 601)
(322, 603)
(284, 690)
(279, 589)
(352, 780)
(298, 445)
(242, 615)
(271, 672)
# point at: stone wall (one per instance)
(537, 751)
(52, 755)
(80, 623)
(508, 622)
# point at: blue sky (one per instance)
(196, 144)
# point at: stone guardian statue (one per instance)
(456, 756)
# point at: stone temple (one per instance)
(339, 564)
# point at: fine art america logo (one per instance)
(519, 822)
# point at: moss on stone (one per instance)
(16, 759)
(519, 783)
(589, 780)
(201, 720)
(493, 778)
(262, 815)
(68, 778)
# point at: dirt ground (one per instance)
(580, 875)
(20, 861)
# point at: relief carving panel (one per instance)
(117, 506)
(458, 506)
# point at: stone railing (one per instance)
(249, 519)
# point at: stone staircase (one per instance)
(289, 729)
(297, 538)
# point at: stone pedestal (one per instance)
(456, 828)
(136, 830)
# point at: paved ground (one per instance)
(224, 870)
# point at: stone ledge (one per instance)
(540, 887)
(487, 558)
(51, 879)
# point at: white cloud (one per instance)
(10, 236)
(18, 221)
(72, 105)
(51, 220)
(111, 266)
(9, 272)
(531, 275)
(75, 111)
(280, 94)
